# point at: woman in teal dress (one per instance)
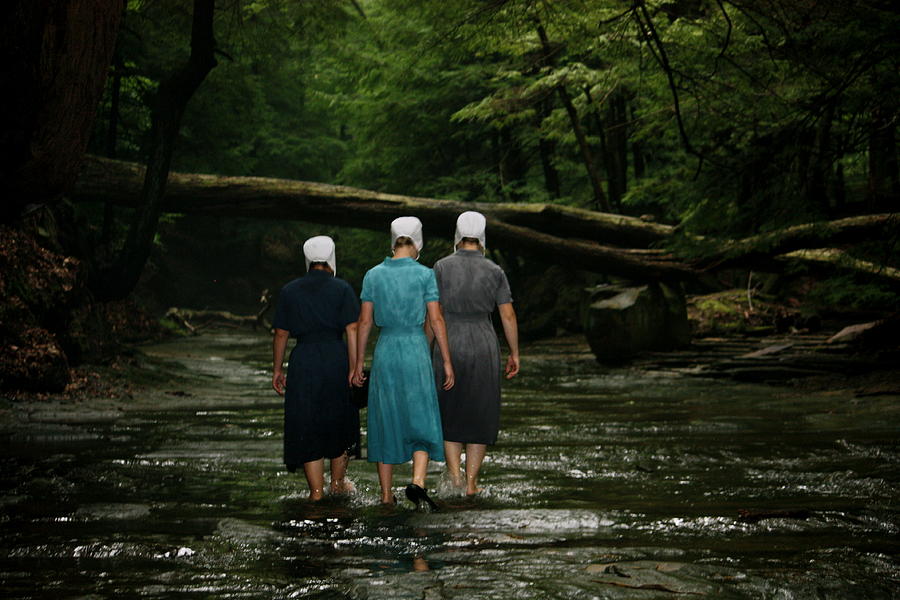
(403, 419)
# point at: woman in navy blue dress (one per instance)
(320, 420)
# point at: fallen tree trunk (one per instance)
(568, 233)
(829, 260)
(119, 182)
(584, 239)
(194, 320)
(753, 250)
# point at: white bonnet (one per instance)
(320, 249)
(470, 224)
(410, 227)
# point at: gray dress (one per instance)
(470, 287)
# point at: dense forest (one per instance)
(723, 124)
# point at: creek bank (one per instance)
(50, 323)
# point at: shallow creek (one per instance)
(606, 483)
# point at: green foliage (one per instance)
(852, 292)
(778, 104)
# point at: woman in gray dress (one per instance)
(470, 287)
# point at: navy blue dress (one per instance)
(320, 421)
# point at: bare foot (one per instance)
(342, 486)
(456, 479)
(316, 495)
(389, 500)
(472, 491)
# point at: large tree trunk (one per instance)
(587, 156)
(757, 250)
(569, 234)
(55, 56)
(547, 150)
(262, 197)
(883, 176)
(173, 95)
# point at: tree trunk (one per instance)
(547, 149)
(617, 143)
(172, 97)
(262, 197)
(756, 250)
(55, 57)
(600, 200)
(637, 152)
(551, 231)
(112, 131)
(883, 180)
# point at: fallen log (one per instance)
(615, 245)
(751, 251)
(567, 233)
(119, 182)
(832, 259)
(195, 320)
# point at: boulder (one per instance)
(621, 320)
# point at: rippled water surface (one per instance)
(606, 483)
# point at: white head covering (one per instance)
(320, 249)
(410, 227)
(470, 224)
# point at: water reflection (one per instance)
(605, 484)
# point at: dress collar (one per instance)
(469, 253)
(397, 262)
(318, 273)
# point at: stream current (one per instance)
(605, 483)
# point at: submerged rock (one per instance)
(622, 321)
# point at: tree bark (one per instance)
(547, 150)
(587, 156)
(173, 95)
(55, 57)
(570, 234)
(756, 250)
(261, 197)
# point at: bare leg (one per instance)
(386, 479)
(474, 457)
(453, 455)
(315, 478)
(339, 483)
(420, 467)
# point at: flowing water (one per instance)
(606, 483)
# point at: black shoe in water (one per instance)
(417, 495)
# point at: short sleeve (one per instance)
(349, 312)
(503, 295)
(431, 288)
(282, 312)
(367, 293)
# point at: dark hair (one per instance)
(470, 240)
(319, 264)
(404, 240)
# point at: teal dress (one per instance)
(403, 414)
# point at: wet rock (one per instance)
(669, 577)
(875, 335)
(622, 321)
(851, 332)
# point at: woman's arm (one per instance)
(364, 327)
(279, 343)
(351, 330)
(511, 331)
(436, 321)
